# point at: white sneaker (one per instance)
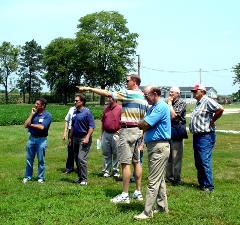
(83, 183)
(25, 180)
(137, 195)
(120, 199)
(143, 216)
(116, 175)
(106, 175)
(40, 181)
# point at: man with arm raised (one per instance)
(134, 107)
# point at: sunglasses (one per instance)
(76, 100)
(127, 81)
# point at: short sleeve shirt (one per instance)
(202, 114)
(44, 119)
(111, 118)
(179, 107)
(158, 117)
(68, 117)
(82, 120)
(134, 105)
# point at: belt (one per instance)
(128, 124)
(35, 136)
(204, 133)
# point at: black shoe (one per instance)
(77, 181)
(173, 181)
(132, 180)
(206, 189)
(67, 171)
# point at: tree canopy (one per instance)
(105, 48)
(59, 60)
(8, 64)
(31, 68)
(236, 70)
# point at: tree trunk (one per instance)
(65, 98)
(6, 91)
(30, 89)
(6, 95)
(24, 97)
(102, 98)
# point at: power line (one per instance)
(190, 71)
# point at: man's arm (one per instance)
(143, 125)
(28, 121)
(37, 126)
(97, 91)
(65, 130)
(86, 139)
(172, 111)
(216, 116)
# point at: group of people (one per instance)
(142, 118)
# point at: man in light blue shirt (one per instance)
(157, 133)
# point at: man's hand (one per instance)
(143, 125)
(212, 124)
(85, 140)
(83, 88)
(33, 111)
(170, 100)
(69, 141)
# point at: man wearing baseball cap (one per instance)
(202, 126)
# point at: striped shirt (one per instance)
(179, 107)
(134, 105)
(202, 115)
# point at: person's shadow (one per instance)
(123, 207)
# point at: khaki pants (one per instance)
(158, 153)
(174, 165)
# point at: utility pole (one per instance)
(200, 76)
(139, 64)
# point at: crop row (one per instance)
(16, 114)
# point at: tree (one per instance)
(236, 70)
(8, 64)
(31, 69)
(105, 49)
(59, 60)
(22, 85)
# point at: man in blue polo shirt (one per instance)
(38, 124)
(81, 137)
(157, 133)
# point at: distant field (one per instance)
(16, 114)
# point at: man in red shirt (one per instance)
(110, 137)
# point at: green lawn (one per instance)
(59, 201)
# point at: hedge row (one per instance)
(16, 114)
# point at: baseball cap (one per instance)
(199, 87)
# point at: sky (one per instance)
(177, 38)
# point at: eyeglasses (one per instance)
(127, 81)
(147, 95)
(76, 100)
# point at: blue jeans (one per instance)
(203, 145)
(36, 146)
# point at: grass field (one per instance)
(59, 201)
